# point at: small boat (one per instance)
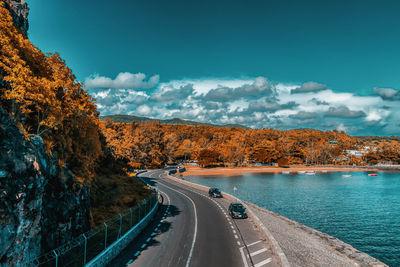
(372, 174)
(287, 172)
(324, 171)
(346, 175)
(301, 171)
(310, 172)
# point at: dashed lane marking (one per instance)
(236, 237)
(137, 253)
(234, 231)
(148, 240)
(263, 262)
(238, 243)
(129, 262)
(258, 252)
(143, 246)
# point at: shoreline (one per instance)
(242, 170)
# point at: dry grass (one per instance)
(112, 193)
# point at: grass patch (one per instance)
(112, 193)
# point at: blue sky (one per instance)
(284, 64)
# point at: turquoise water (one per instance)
(363, 211)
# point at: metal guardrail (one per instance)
(88, 246)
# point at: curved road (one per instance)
(192, 229)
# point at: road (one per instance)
(192, 229)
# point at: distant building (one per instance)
(356, 153)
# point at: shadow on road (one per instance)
(148, 237)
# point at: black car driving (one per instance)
(214, 192)
(237, 211)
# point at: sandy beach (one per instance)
(190, 170)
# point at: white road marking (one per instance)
(243, 258)
(232, 227)
(263, 263)
(195, 225)
(238, 243)
(236, 237)
(148, 240)
(143, 246)
(158, 225)
(129, 262)
(137, 253)
(254, 243)
(234, 231)
(258, 252)
(153, 234)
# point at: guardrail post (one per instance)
(120, 226)
(84, 254)
(130, 211)
(105, 238)
(55, 253)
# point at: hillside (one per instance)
(57, 175)
(174, 121)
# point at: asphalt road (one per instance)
(192, 229)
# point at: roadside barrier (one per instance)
(103, 242)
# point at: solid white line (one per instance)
(195, 225)
(254, 243)
(243, 258)
(258, 252)
(263, 262)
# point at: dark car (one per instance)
(237, 211)
(214, 192)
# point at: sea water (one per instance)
(361, 210)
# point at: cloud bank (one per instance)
(254, 102)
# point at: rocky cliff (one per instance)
(38, 210)
(41, 204)
(19, 11)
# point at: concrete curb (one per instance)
(276, 249)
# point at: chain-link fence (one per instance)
(87, 246)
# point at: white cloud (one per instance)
(143, 110)
(254, 102)
(124, 80)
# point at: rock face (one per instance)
(19, 11)
(38, 210)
